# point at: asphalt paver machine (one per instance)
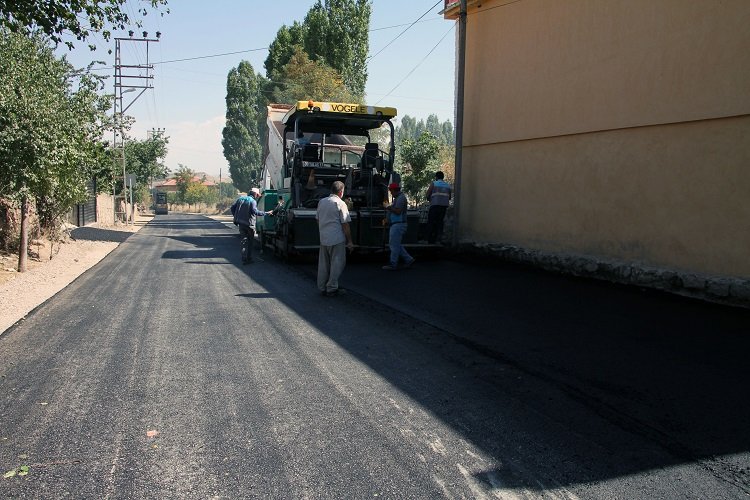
(310, 146)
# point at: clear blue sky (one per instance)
(188, 96)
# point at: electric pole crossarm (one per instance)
(135, 98)
(140, 82)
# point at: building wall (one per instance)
(613, 128)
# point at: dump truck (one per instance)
(312, 144)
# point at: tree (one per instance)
(172, 199)
(447, 162)
(227, 190)
(334, 33)
(51, 120)
(410, 132)
(211, 197)
(449, 134)
(145, 158)
(241, 135)
(81, 18)
(410, 128)
(305, 79)
(183, 177)
(282, 48)
(420, 157)
(195, 192)
(337, 32)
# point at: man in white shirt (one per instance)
(335, 238)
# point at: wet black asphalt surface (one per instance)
(169, 370)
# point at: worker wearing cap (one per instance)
(245, 210)
(397, 220)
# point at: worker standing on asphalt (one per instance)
(439, 194)
(397, 219)
(245, 210)
(335, 238)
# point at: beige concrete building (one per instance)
(618, 130)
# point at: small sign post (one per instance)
(130, 181)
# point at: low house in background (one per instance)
(170, 185)
(611, 139)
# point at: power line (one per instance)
(439, 18)
(195, 58)
(407, 29)
(417, 65)
(210, 56)
(266, 48)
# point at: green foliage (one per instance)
(81, 18)
(145, 158)
(305, 79)
(410, 128)
(334, 34)
(282, 48)
(227, 189)
(142, 195)
(420, 159)
(18, 471)
(337, 32)
(244, 118)
(183, 177)
(195, 192)
(191, 190)
(447, 162)
(51, 122)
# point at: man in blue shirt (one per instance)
(397, 219)
(439, 194)
(245, 210)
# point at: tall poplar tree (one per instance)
(335, 34)
(337, 31)
(241, 138)
(281, 50)
(304, 79)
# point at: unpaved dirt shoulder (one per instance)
(22, 292)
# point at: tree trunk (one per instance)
(23, 246)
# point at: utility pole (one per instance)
(459, 118)
(128, 78)
(155, 132)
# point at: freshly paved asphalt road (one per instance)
(170, 371)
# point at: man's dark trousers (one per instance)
(435, 222)
(248, 235)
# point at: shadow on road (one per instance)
(566, 361)
(90, 233)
